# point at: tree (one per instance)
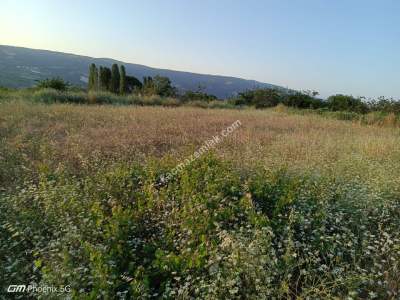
(305, 99)
(122, 81)
(163, 87)
(260, 98)
(148, 86)
(53, 83)
(198, 95)
(100, 75)
(93, 77)
(347, 103)
(266, 98)
(159, 85)
(115, 77)
(132, 84)
(104, 78)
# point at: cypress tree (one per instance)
(95, 78)
(100, 75)
(122, 80)
(114, 84)
(107, 78)
(104, 78)
(91, 79)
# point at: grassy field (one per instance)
(285, 206)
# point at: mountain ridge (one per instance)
(22, 67)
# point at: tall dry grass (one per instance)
(75, 136)
(319, 219)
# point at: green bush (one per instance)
(55, 96)
(54, 83)
(209, 233)
(302, 100)
(347, 103)
(197, 96)
(102, 97)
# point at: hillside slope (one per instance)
(20, 67)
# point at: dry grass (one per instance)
(331, 230)
(76, 135)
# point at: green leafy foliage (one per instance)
(346, 103)
(104, 78)
(264, 98)
(197, 96)
(158, 85)
(133, 84)
(209, 232)
(93, 80)
(53, 83)
(122, 81)
(115, 79)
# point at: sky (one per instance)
(340, 46)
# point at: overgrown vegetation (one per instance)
(54, 83)
(264, 98)
(289, 206)
(114, 86)
(116, 81)
(209, 233)
(382, 112)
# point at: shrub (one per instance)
(209, 233)
(54, 96)
(54, 83)
(261, 98)
(347, 103)
(302, 100)
(385, 105)
(197, 96)
(158, 85)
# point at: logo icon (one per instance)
(15, 288)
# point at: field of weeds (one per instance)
(285, 206)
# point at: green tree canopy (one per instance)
(93, 77)
(104, 78)
(159, 85)
(115, 79)
(132, 83)
(341, 102)
(53, 83)
(122, 80)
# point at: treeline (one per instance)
(264, 98)
(117, 83)
(115, 80)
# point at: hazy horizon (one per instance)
(333, 48)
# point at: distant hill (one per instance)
(20, 67)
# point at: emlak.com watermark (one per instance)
(37, 289)
(207, 145)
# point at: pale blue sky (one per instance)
(333, 46)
